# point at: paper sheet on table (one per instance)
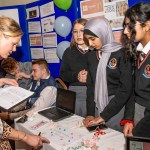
(72, 122)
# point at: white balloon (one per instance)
(61, 47)
(62, 26)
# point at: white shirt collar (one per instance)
(83, 49)
(47, 76)
(38, 82)
(143, 49)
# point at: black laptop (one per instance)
(65, 106)
(138, 143)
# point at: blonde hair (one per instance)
(81, 21)
(9, 27)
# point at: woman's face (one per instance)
(94, 42)
(78, 34)
(8, 45)
(140, 31)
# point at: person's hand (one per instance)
(21, 75)
(6, 81)
(82, 76)
(87, 120)
(97, 120)
(35, 141)
(128, 127)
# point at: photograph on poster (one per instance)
(48, 24)
(121, 7)
(50, 39)
(51, 56)
(35, 39)
(32, 12)
(47, 9)
(116, 24)
(113, 10)
(91, 8)
(37, 53)
(34, 27)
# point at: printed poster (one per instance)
(113, 10)
(35, 39)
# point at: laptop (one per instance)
(65, 106)
(138, 143)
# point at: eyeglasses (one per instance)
(127, 25)
(76, 32)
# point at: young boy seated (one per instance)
(44, 87)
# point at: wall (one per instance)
(15, 2)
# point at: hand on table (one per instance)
(90, 120)
(35, 141)
(128, 127)
(96, 120)
(87, 120)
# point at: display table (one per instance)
(69, 134)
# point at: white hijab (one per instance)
(102, 29)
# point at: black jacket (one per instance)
(74, 60)
(119, 83)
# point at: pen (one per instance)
(39, 134)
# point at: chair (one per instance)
(61, 83)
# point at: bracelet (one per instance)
(21, 139)
(24, 136)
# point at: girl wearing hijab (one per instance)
(109, 81)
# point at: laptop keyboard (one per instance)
(58, 111)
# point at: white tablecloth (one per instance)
(69, 134)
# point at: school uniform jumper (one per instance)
(119, 84)
(142, 95)
(74, 60)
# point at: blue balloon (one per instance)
(62, 26)
(61, 47)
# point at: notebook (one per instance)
(12, 96)
(138, 143)
(65, 106)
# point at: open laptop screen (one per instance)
(138, 143)
(66, 100)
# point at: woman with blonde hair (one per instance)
(10, 35)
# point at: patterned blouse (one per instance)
(5, 131)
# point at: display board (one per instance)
(40, 39)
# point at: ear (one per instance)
(43, 70)
(147, 27)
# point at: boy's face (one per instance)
(37, 72)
